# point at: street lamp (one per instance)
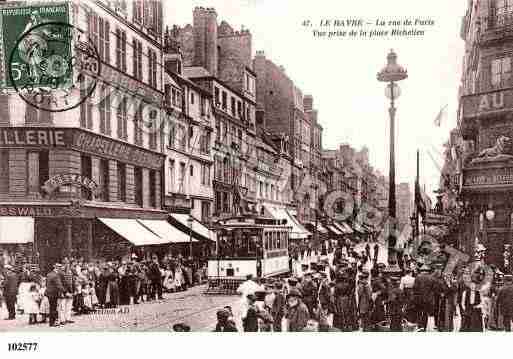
(189, 221)
(391, 74)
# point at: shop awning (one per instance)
(16, 230)
(343, 227)
(297, 231)
(334, 230)
(166, 231)
(133, 231)
(320, 227)
(357, 227)
(198, 228)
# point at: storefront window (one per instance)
(153, 194)
(121, 182)
(138, 186)
(4, 170)
(104, 180)
(86, 171)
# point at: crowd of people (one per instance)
(353, 291)
(75, 287)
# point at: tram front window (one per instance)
(240, 244)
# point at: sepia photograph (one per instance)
(255, 166)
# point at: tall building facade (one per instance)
(290, 114)
(484, 122)
(248, 163)
(70, 180)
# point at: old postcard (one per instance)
(255, 166)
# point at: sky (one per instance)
(340, 72)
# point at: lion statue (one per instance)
(502, 147)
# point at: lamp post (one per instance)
(391, 74)
(189, 221)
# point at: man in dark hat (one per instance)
(505, 301)
(309, 291)
(423, 289)
(438, 293)
(395, 305)
(364, 301)
(279, 305)
(297, 312)
(11, 283)
(54, 290)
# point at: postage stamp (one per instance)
(52, 65)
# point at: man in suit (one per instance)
(10, 291)
(505, 301)
(54, 290)
(423, 290)
(278, 308)
(364, 294)
(155, 277)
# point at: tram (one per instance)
(249, 245)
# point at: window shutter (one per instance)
(139, 55)
(123, 49)
(118, 49)
(134, 58)
(150, 65)
(107, 42)
(119, 118)
(108, 114)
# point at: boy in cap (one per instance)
(224, 323)
(297, 312)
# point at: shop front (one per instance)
(488, 196)
(71, 193)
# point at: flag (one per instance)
(438, 119)
(420, 205)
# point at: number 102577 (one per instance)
(22, 347)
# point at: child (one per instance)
(44, 306)
(32, 304)
(87, 299)
(94, 298)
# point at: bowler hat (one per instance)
(251, 297)
(292, 281)
(294, 293)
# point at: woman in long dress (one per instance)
(169, 280)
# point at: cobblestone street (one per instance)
(191, 307)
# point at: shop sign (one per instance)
(69, 179)
(478, 105)
(104, 147)
(490, 177)
(23, 137)
(21, 211)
